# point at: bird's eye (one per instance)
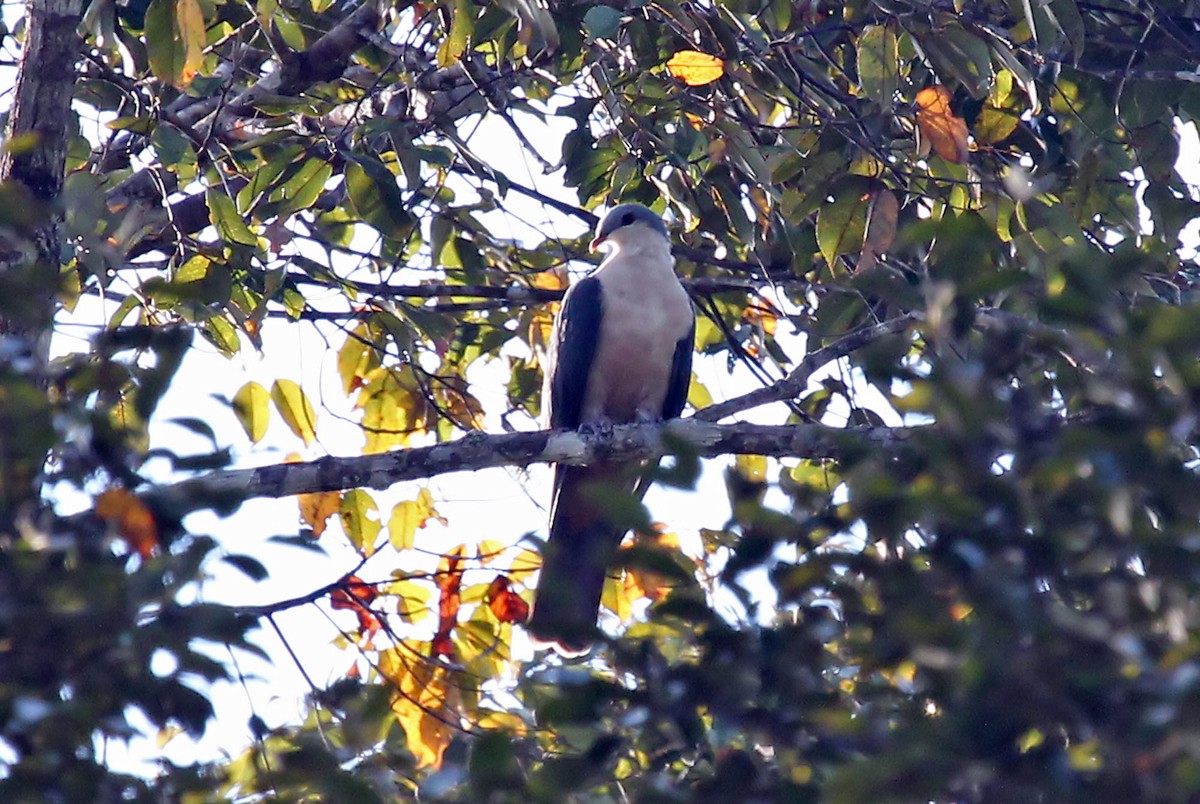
(627, 219)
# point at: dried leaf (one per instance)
(695, 68)
(944, 130)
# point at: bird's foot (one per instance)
(598, 429)
(644, 417)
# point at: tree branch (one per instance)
(479, 451)
(794, 383)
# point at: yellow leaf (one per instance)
(508, 721)
(752, 467)
(360, 520)
(944, 130)
(423, 702)
(695, 68)
(620, 594)
(394, 409)
(488, 550)
(526, 563)
(357, 358)
(412, 599)
(292, 403)
(250, 407)
(317, 507)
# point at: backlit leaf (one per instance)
(410, 515)
(360, 520)
(695, 68)
(357, 358)
(424, 702)
(376, 197)
(227, 220)
(507, 605)
(317, 507)
(250, 407)
(842, 225)
(449, 583)
(292, 403)
(879, 64)
(944, 130)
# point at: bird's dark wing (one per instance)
(578, 332)
(681, 375)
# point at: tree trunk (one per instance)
(31, 179)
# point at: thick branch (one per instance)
(478, 451)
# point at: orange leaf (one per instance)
(946, 132)
(763, 314)
(550, 279)
(695, 68)
(353, 592)
(317, 507)
(122, 509)
(651, 585)
(449, 582)
(507, 605)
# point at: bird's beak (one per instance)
(595, 244)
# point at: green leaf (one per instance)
(376, 198)
(292, 403)
(602, 22)
(175, 38)
(360, 520)
(455, 44)
(250, 407)
(223, 335)
(842, 225)
(303, 189)
(1065, 16)
(226, 218)
(879, 64)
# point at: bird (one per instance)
(620, 352)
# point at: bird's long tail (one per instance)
(583, 540)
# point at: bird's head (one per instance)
(624, 219)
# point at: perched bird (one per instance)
(621, 352)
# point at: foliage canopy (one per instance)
(972, 210)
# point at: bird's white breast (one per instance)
(646, 312)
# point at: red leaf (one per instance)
(506, 604)
(356, 594)
(449, 582)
